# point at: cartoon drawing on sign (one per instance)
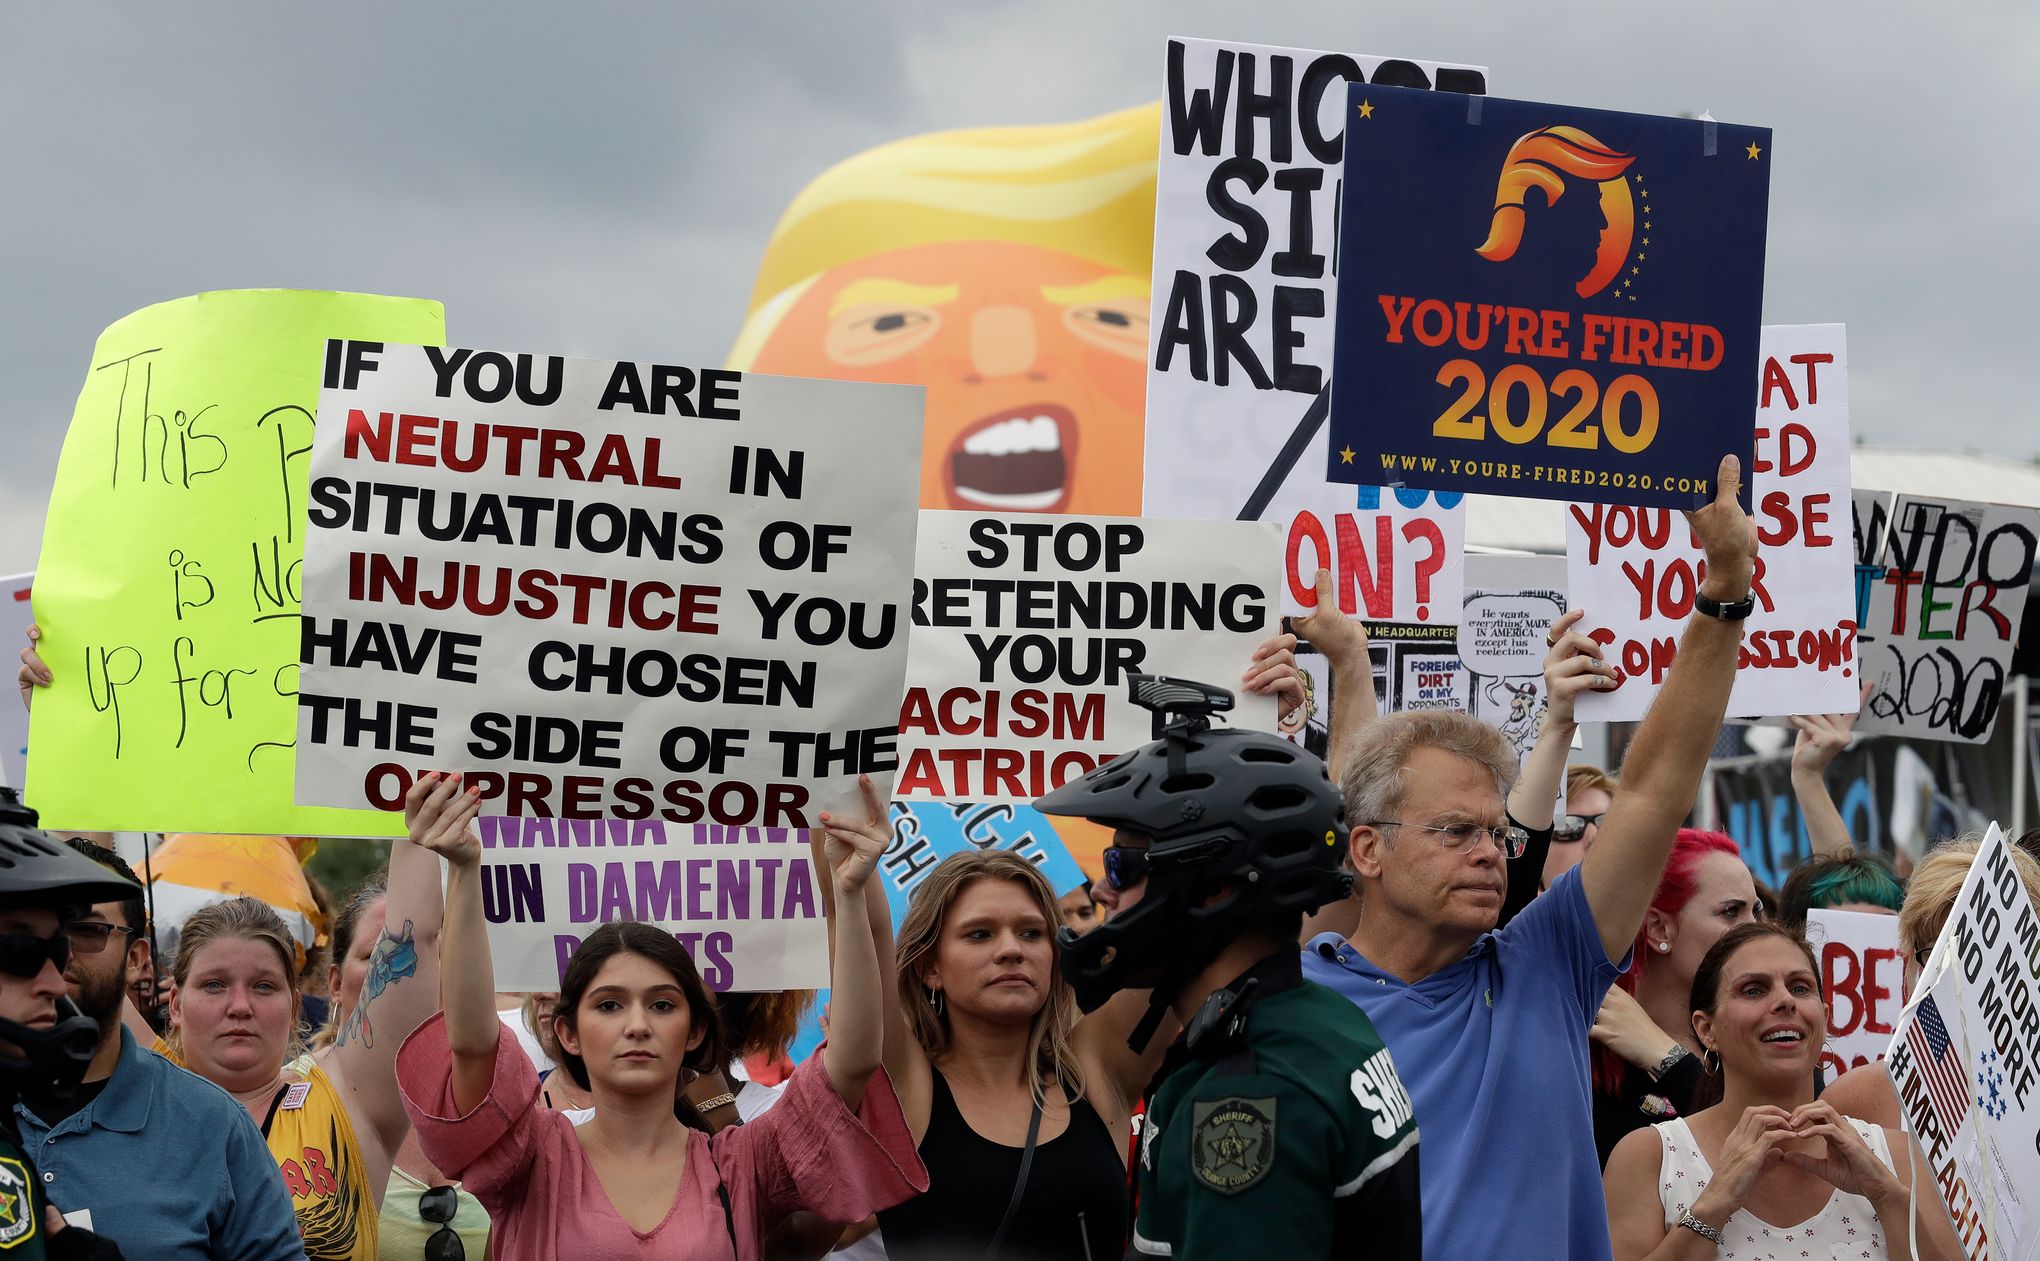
(1005, 269)
(1501, 639)
(1542, 160)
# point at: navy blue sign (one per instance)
(1546, 301)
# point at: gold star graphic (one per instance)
(7, 1212)
(1639, 253)
(1634, 271)
(1637, 178)
(1232, 1147)
(1753, 151)
(1346, 456)
(1366, 109)
(1644, 192)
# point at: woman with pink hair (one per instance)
(1647, 1066)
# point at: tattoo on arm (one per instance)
(395, 957)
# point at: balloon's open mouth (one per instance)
(1014, 460)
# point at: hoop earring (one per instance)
(1710, 1059)
(935, 1002)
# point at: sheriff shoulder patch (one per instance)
(1232, 1144)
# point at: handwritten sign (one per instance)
(1026, 629)
(1636, 570)
(1547, 301)
(1511, 602)
(742, 900)
(1940, 592)
(15, 619)
(172, 567)
(606, 590)
(1966, 1061)
(1247, 206)
(1862, 972)
(926, 832)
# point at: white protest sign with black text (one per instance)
(1862, 973)
(1027, 627)
(742, 901)
(1965, 1060)
(604, 590)
(1942, 586)
(1636, 570)
(1246, 222)
(1510, 604)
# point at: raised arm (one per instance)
(1661, 775)
(400, 992)
(1343, 641)
(856, 1042)
(1573, 665)
(441, 816)
(1100, 1040)
(1822, 737)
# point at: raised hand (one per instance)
(441, 817)
(1729, 537)
(1272, 671)
(1752, 1148)
(1847, 1161)
(1342, 639)
(1822, 737)
(1574, 665)
(34, 673)
(852, 847)
(1626, 1029)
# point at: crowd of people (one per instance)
(1388, 1003)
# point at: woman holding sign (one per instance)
(643, 1179)
(1769, 1172)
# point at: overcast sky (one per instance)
(598, 179)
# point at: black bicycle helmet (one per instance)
(1243, 827)
(39, 871)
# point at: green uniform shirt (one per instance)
(21, 1206)
(1284, 1132)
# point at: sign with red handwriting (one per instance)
(1636, 570)
(630, 591)
(1027, 628)
(1862, 972)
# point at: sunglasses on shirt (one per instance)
(438, 1206)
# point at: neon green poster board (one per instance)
(168, 588)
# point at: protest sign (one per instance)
(168, 590)
(1246, 216)
(742, 900)
(1862, 973)
(1416, 667)
(669, 619)
(1965, 1060)
(1636, 570)
(1511, 602)
(926, 832)
(1027, 627)
(15, 619)
(1940, 592)
(1598, 346)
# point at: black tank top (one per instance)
(1074, 1208)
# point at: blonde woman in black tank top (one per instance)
(980, 1032)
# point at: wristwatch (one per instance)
(1735, 611)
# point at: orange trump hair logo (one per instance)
(1544, 159)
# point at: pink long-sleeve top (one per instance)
(526, 1166)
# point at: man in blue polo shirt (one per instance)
(1489, 1029)
(166, 1163)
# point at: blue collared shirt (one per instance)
(1493, 1050)
(169, 1166)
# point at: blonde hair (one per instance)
(1374, 783)
(236, 919)
(1085, 188)
(1049, 1033)
(1584, 778)
(1938, 879)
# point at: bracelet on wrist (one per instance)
(1670, 1061)
(1701, 1228)
(713, 1102)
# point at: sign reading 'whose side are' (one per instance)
(1027, 628)
(1542, 300)
(604, 590)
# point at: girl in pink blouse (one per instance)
(637, 1183)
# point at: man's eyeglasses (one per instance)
(24, 954)
(1571, 827)
(438, 1206)
(88, 936)
(1125, 865)
(1457, 836)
